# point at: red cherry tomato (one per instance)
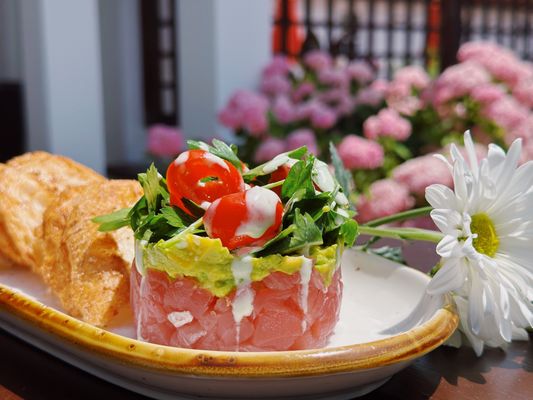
(278, 175)
(201, 177)
(243, 219)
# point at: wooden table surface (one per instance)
(446, 373)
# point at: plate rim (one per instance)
(402, 347)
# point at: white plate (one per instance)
(377, 294)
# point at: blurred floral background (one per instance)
(118, 84)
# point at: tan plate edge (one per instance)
(403, 347)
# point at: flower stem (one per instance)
(402, 233)
(417, 212)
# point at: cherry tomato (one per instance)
(201, 177)
(243, 219)
(278, 175)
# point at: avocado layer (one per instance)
(210, 263)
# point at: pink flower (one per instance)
(284, 110)
(247, 110)
(524, 92)
(413, 76)
(487, 93)
(459, 80)
(401, 99)
(369, 96)
(501, 62)
(418, 173)
(322, 117)
(360, 72)
(318, 60)
(359, 153)
(268, 149)
(304, 90)
(380, 85)
(386, 197)
(274, 85)
(164, 141)
(333, 77)
(302, 137)
(279, 65)
(506, 112)
(387, 123)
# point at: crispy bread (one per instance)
(28, 184)
(88, 270)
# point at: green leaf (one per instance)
(344, 177)
(298, 153)
(112, 221)
(349, 231)
(172, 217)
(150, 184)
(299, 178)
(391, 253)
(306, 233)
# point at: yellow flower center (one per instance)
(487, 241)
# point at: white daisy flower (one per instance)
(487, 250)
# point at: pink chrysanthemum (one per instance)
(164, 141)
(386, 197)
(359, 153)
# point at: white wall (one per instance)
(10, 68)
(63, 79)
(222, 47)
(122, 77)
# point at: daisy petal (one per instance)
(451, 276)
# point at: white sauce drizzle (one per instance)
(305, 277)
(180, 318)
(275, 163)
(325, 181)
(182, 158)
(205, 205)
(261, 206)
(216, 160)
(243, 302)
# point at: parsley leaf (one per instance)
(306, 232)
(150, 184)
(113, 221)
(349, 231)
(299, 178)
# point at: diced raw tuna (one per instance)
(177, 312)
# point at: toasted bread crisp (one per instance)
(88, 270)
(28, 185)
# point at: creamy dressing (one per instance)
(205, 205)
(180, 318)
(305, 277)
(261, 207)
(275, 163)
(325, 181)
(216, 160)
(243, 302)
(182, 158)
